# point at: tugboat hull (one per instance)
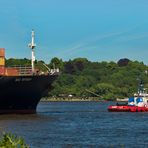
(115, 108)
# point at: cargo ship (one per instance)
(22, 87)
(137, 103)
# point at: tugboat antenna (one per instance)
(32, 45)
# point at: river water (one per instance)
(79, 125)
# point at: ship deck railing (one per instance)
(27, 70)
(23, 70)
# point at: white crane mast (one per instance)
(32, 45)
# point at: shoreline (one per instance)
(73, 100)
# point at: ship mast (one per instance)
(32, 45)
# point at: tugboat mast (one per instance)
(32, 45)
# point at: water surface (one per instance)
(78, 125)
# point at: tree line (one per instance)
(83, 78)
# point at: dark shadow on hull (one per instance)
(21, 94)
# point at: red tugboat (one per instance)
(138, 103)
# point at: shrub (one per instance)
(9, 140)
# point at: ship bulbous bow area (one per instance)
(21, 94)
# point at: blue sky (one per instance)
(100, 30)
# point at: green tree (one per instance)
(56, 63)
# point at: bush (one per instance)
(9, 140)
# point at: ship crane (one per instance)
(32, 45)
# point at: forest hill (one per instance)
(83, 78)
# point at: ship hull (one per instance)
(21, 94)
